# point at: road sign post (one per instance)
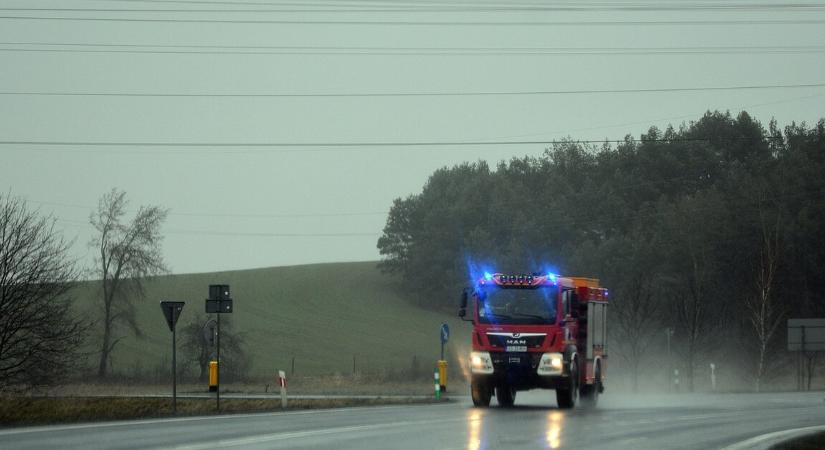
(807, 337)
(219, 302)
(442, 363)
(171, 311)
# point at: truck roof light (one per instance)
(552, 277)
(488, 276)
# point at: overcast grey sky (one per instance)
(240, 207)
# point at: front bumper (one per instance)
(521, 371)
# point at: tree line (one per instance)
(709, 232)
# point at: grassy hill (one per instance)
(321, 314)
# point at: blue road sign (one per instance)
(445, 333)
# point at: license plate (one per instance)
(515, 348)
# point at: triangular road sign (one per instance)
(171, 310)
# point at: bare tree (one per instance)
(693, 267)
(691, 312)
(631, 269)
(39, 334)
(200, 348)
(127, 254)
(635, 312)
(763, 313)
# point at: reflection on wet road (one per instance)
(619, 422)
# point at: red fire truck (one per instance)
(537, 331)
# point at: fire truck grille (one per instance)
(507, 341)
(516, 363)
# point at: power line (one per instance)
(410, 8)
(414, 94)
(321, 146)
(417, 49)
(396, 51)
(743, 22)
(462, 6)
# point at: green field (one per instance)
(323, 315)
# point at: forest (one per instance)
(708, 235)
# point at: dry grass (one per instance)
(21, 411)
(321, 385)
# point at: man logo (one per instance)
(515, 335)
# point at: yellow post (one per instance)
(213, 376)
(442, 374)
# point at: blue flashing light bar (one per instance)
(488, 276)
(551, 277)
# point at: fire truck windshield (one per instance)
(517, 306)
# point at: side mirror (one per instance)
(462, 310)
(574, 306)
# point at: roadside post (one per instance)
(713, 376)
(210, 334)
(437, 385)
(282, 383)
(171, 311)
(442, 363)
(219, 302)
(676, 379)
(213, 376)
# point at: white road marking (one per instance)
(764, 441)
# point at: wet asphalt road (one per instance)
(619, 422)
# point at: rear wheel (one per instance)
(566, 397)
(505, 395)
(590, 393)
(481, 393)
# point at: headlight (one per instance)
(551, 364)
(480, 362)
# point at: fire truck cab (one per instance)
(536, 331)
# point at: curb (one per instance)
(765, 441)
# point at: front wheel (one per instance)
(505, 395)
(566, 397)
(481, 394)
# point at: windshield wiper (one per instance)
(532, 316)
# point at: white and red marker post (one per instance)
(282, 384)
